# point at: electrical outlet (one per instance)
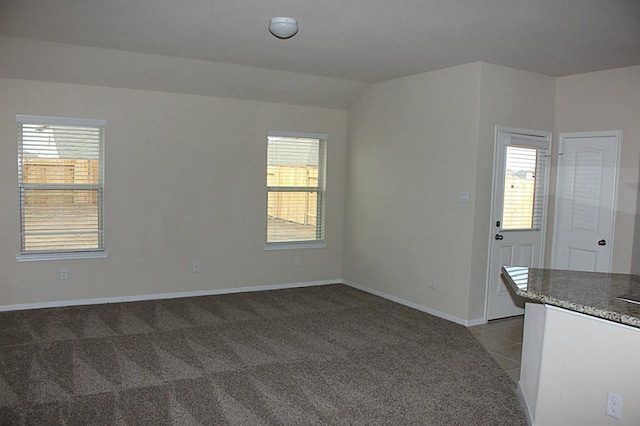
(64, 274)
(434, 283)
(297, 261)
(614, 406)
(196, 267)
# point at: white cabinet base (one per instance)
(571, 361)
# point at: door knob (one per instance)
(602, 242)
(499, 237)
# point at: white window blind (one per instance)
(295, 188)
(523, 188)
(61, 184)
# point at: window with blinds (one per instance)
(525, 169)
(60, 184)
(295, 187)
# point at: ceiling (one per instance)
(362, 40)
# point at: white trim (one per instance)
(290, 245)
(542, 134)
(141, 297)
(217, 291)
(64, 121)
(560, 176)
(422, 308)
(477, 321)
(513, 131)
(277, 134)
(36, 257)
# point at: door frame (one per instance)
(560, 175)
(499, 130)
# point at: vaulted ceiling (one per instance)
(362, 40)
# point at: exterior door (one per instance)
(585, 206)
(518, 213)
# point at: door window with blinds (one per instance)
(296, 167)
(60, 185)
(523, 197)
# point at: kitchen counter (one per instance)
(580, 343)
(590, 293)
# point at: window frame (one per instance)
(320, 190)
(540, 177)
(78, 253)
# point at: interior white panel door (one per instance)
(585, 207)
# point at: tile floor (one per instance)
(503, 340)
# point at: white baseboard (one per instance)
(431, 311)
(477, 321)
(137, 298)
(211, 292)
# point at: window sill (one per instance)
(60, 256)
(293, 245)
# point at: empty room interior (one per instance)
(285, 212)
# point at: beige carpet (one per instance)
(320, 355)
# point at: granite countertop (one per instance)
(590, 293)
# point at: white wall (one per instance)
(64, 63)
(412, 149)
(414, 144)
(609, 100)
(185, 181)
